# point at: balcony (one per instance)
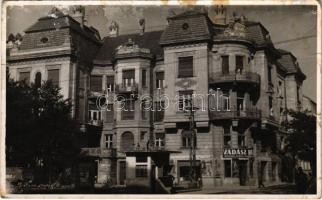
(253, 114)
(98, 152)
(122, 89)
(245, 77)
(96, 122)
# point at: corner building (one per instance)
(240, 83)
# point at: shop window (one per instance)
(185, 67)
(227, 136)
(96, 83)
(239, 64)
(24, 76)
(184, 99)
(225, 64)
(141, 171)
(227, 166)
(159, 80)
(108, 141)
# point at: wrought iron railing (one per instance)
(219, 77)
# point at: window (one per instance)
(159, 80)
(184, 99)
(53, 75)
(239, 64)
(109, 113)
(269, 74)
(187, 139)
(159, 111)
(128, 78)
(227, 136)
(240, 101)
(144, 109)
(141, 171)
(95, 115)
(142, 135)
(128, 110)
(298, 94)
(270, 104)
(225, 64)
(241, 139)
(159, 140)
(44, 40)
(141, 159)
(144, 78)
(38, 80)
(108, 141)
(96, 83)
(110, 83)
(226, 100)
(227, 166)
(24, 76)
(185, 67)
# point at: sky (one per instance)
(292, 28)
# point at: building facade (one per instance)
(133, 91)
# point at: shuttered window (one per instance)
(24, 76)
(53, 75)
(96, 83)
(109, 118)
(185, 67)
(128, 110)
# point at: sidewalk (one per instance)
(282, 188)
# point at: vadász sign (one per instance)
(237, 152)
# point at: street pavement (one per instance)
(277, 189)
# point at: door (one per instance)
(242, 172)
(122, 172)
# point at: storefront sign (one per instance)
(237, 152)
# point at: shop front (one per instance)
(238, 166)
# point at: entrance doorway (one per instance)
(122, 172)
(242, 165)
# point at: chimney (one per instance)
(220, 15)
(79, 15)
(142, 26)
(114, 29)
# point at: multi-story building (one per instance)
(238, 82)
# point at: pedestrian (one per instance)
(260, 180)
(301, 181)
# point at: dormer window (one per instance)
(44, 40)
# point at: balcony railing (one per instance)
(126, 88)
(98, 152)
(246, 77)
(254, 114)
(96, 122)
(148, 149)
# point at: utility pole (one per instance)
(193, 174)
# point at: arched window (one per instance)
(127, 141)
(38, 79)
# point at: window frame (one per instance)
(225, 68)
(187, 73)
(108, 141)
